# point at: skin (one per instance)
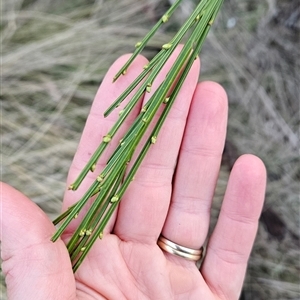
(171, 194)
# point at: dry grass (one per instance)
(55, 53)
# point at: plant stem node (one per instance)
(89, 232)
(167, 46)
(166, 100)
(114, 199)
(138, 44)
(82, 232)
(153, 139)
(107, 138)
(100, 178)
(165, 18)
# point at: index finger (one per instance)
(97, 126)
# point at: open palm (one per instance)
(171, 194)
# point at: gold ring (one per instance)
(178, 250)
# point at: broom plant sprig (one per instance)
(111, 184)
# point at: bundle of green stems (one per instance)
(111, 184)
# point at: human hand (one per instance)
(171, 194)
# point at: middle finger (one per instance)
(144, 206)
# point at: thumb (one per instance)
(34, 267)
